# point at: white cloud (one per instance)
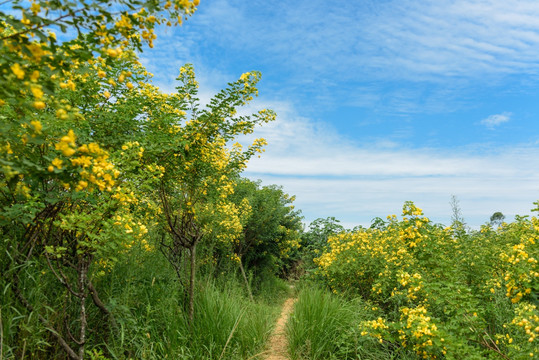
(333, 176)
(497, 119)
(391, 56)
(357, 201)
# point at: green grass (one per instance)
(149, 314)
(225, 317)
(326, 326)
(152, 323)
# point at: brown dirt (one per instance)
(277, 342)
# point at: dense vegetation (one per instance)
(127, 230)
(415, 289)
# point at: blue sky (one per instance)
(379, 102)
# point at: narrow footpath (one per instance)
(277, 343)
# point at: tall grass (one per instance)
(317, 321)
(225, 317)
(149, 321)
(325, 326)
(152, 322)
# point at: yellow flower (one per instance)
(36, 125)
(70, 84)
(84, 161)
(16, 68)
(67, 151)
(34, 76)
(106, 94)
(40, 105)
(69, 138)
(245, 76)
(114, 52)
(37, 92)
(35, 8)
(82, 185)
(57, 162)
(61, 114)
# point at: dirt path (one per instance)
(277, 342)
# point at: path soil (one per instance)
(277, 342)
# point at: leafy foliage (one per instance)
(271, 230)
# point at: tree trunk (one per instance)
(83, 318)
(192, 250)
(246, 281)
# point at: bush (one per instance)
(443, 292)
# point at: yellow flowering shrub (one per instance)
(445, 292)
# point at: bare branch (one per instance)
(62, 278)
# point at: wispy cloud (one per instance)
(371, 53)
(404, 38)
(334, 176)
(494, 120)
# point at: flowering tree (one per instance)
(62, 203)
(95, 158)
(198, 169)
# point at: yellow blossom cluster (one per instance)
(92, 162)
(291, 242)
(374, 328)
(124, 195)
(139, 151)
(420, 332)
(228, 221)
(527, 321)
(522, 272)
(136, 229)
(234, 258)
(411, 285)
